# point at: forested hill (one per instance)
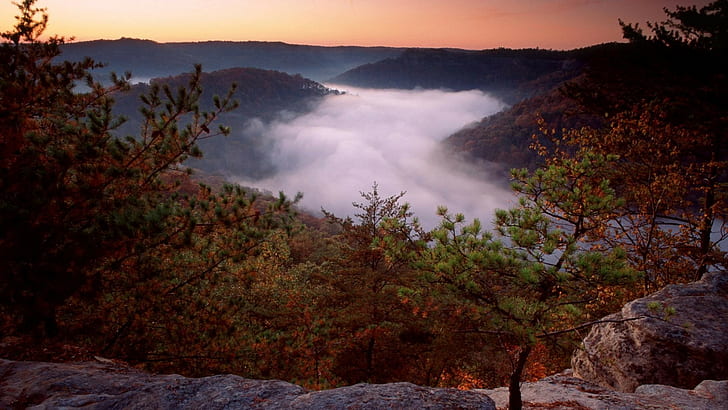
(148, 59)
(504, 138)
(262, 95)
(611, 78)
(108, 248)
(511, 75)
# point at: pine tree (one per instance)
(534, 283)
(367, 278)
(88, 216)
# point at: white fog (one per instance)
(389, 136)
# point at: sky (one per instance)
(390, 137)
(468, 24)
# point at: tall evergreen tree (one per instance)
(367, 279)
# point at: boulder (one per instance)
(677, 337)
(563, 391)
(113, 386)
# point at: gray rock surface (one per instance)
(392, 396)
(563, 391)
(710, 394)
(109, 386)
(679, 350)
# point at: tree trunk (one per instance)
(515, 401)
(706, 224)
(39, 317)
(370, 360)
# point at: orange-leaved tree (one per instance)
(666, 120)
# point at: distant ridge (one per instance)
(148, 59)
(506, 73)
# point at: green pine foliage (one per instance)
(534, 280)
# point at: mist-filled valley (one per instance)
(292, 134)
(331, 142)
(391, 137)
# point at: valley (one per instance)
(414, 117)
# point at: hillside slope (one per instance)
(506, 136)
(511, 75)
(263, 95)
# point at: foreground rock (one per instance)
(107, 386)
(110, 386)
(678, 350)
(563, 391)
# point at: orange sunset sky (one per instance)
(470, 24)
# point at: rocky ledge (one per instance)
(660, 352)
(564, 391)
(110, 386)
(96, 385)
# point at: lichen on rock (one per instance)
(680, 339)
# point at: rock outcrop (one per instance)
(563, 391)
(110, 386)
(680, 339)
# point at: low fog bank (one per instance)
(389, 136)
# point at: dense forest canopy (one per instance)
(108, 243)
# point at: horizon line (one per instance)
(74, 41)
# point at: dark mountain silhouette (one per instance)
(263, 95)
(609, 78)
(148, 59)
(509, 74)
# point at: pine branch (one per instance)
(585, 325)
